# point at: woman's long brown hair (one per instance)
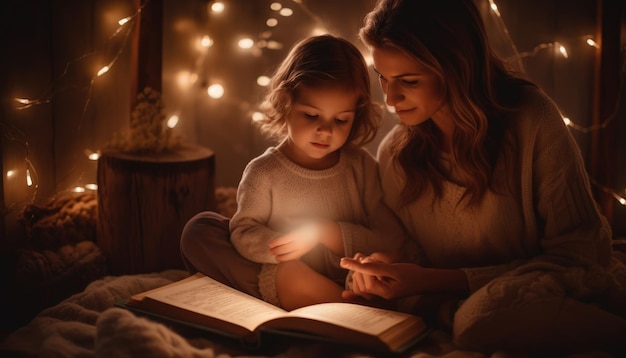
(448, 38)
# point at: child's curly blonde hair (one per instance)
(318, 61)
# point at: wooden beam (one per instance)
(606, 91)
(146, 48)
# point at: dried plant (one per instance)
(148, 132)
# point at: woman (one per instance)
(490, 183)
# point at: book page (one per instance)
(211, 298)
(360, 318)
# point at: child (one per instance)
(316, 196)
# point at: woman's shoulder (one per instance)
(390, 138)
(531, 97)
(536, 111)
(538, 123)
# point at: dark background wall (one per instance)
(51, 50)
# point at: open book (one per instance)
(202, 302)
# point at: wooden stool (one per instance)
(144, 201)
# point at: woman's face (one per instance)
(415, 93)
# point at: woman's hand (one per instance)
(376, 275)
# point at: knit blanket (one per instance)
(88, 324)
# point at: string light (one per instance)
(186, 79)
(286, 12)
(172, 121)
(494, 7)
(257, 116)
(29, 179)
(91, 155)
(274, 45)
(218, 7)
(103, 70)
(536, 50)
(561, 49)
(124, 24)
(592, 43)
(319, 31)
(263, 81)
(245, 43)
(121, 22)
(206, 41)
(621, 199)
(27, 103)
(215, 91)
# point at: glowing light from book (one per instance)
(218, 7)
(215, 91)
(172, 121)
(309, 232)
(91, 186)
(78, 189)
(567, 121)
(124, 20)
(29, 180)
(276, 6)
(10, 173)
(263, 81)
(23, 100)
(271, 22)
(245, 43)
(103, 70)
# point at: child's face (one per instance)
(319, 124)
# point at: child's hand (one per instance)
(295, 243)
